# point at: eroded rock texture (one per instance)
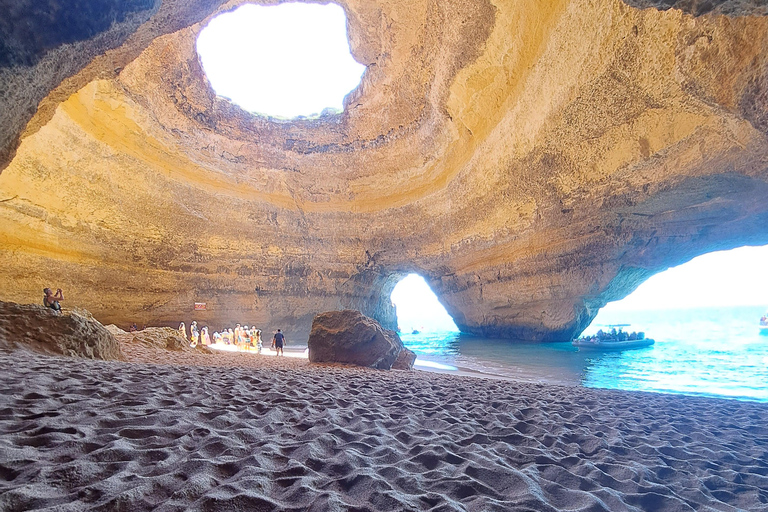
(72, 333)
(699, 7)
(532, 160)
(349, 337)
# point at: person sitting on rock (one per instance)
(51, 300)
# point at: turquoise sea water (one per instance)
(710, 351)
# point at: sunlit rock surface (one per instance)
(531, 160)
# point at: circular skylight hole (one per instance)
(287, 60)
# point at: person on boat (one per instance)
(51, 300)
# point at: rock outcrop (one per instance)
(72, 333)
(405, 360)
(531, 161)
(165, 338)
(349, 337)
(701, 7)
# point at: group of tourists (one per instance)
(614, 335)
(243, 337)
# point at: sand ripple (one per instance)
(284, 435)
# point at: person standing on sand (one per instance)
(246, 337)
(257, 338)
(194, 334)
(183, 330)
(236, 336)
(51, 300)
(278, 341)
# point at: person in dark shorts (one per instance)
(51, 300)
(278, 341)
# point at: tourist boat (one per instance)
(764, 324)
(612, 344)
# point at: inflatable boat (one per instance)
(612, 344)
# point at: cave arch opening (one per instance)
(730, 284)
(418, 309)
(291, 60)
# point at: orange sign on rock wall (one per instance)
(199, 306)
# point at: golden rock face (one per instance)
(532, 160)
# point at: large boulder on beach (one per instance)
(349, 337)
(72, 333)
(404, 360)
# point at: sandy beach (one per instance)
(173, 431)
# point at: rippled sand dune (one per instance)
(179, 431)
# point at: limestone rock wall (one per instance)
(49, 50)
(531, 160)
(701, 7)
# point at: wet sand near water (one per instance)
(173, 431)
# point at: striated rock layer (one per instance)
(533, 160)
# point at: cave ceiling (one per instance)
(532, 160)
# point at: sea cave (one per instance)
(531, 161)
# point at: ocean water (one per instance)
(717, 352)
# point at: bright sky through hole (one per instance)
(725, 278)
(418, 307)
(286, 60)
(719, 279)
